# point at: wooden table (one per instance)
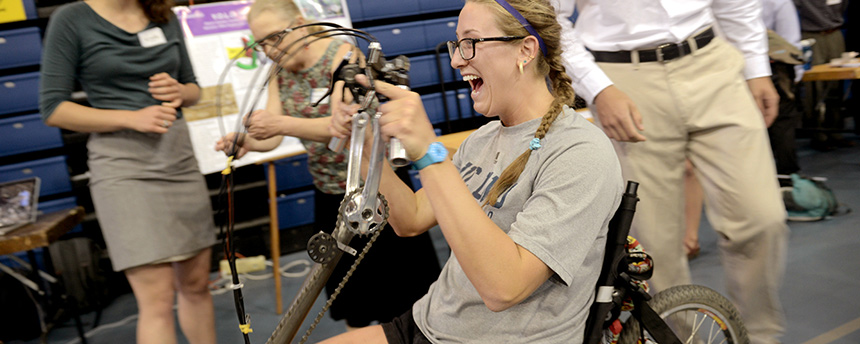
(47, 229)
(452, 141)
(825, 72)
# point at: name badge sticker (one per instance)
(152, 37)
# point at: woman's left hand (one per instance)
(165, 88)
(403, 117)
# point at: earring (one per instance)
(521, 66)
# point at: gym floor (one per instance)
(820, 276)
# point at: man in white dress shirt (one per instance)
(666, 88)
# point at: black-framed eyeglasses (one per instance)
(467, 45)
(272, 39)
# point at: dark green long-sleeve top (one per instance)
(110, 64)
(151, 200)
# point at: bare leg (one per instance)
(366, 335)
(153, 289)
(693, 209)
(195, 309)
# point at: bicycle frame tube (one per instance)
(363, 212)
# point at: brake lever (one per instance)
(337, 72)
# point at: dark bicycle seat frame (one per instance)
(615, 284)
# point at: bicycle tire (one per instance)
(702, 302)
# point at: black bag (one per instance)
(19, 319)
(80, 264)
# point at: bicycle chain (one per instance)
(303, 291)
(340, 286)
(351, 268)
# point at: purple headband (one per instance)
(525, 23)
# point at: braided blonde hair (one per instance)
(541, 15)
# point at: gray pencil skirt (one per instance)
(151, 201)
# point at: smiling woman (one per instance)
(525, 201)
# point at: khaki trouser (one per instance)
(700, 107)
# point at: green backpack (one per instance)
(808, 199)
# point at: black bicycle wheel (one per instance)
(696, 314)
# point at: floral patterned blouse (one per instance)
(296, 88)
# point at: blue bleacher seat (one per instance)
(19, 92)
(378, 9)
(423, 70)
(431, 6)
(52, 171)
(20, 47)
(21, 134)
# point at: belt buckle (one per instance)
(659, 51)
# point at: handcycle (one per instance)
(623, 311)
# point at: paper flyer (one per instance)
(12, 11)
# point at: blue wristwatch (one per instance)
(436, 153)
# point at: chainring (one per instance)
(350, 203)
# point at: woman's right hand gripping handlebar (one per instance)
(402, 117)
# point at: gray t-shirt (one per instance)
(559, 210)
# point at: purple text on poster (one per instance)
(213, 18)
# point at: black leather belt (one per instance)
(665, 52)
(828, 31)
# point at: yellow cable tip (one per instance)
(227, 169)
(246, 328)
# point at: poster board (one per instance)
(214, 34)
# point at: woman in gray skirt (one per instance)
(151, 200)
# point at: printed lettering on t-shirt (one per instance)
(501, 201)
(482, 191)
(469, 170)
